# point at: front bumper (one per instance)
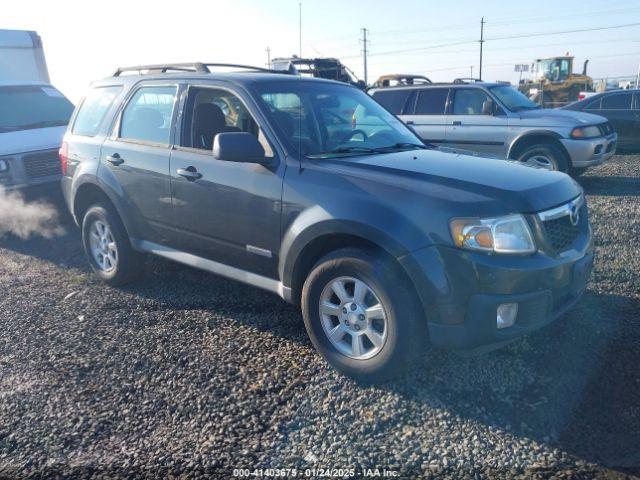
(589, 152)
(461, 292)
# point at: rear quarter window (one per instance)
(617, 101)
(392, 100)
(93, 110)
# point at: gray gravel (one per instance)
(187, 375)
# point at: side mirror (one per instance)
(238, 147)
(488, 107)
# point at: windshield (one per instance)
(320, 119)
(512, 98)
(27, 107)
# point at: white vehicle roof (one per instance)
(22, 57)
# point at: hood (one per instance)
(556, 117)
(478, 185)
(31, 140)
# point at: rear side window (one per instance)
(392, 100)
(617, 101)
(94, 108)
(432, 101)
(147, 116)
(468, 101)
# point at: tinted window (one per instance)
(432, 101)
(147, 116)
(28, 107)
(594, 105)
(468, 101)
(94, 108)
(325, 120)
(617, 101)
(393, 100)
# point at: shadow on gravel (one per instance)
(573, 385)
(611, 186)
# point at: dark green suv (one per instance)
(310, 189)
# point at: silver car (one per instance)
(495, 118)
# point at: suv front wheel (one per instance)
(107, 246)
(545, 156)
(362, 315)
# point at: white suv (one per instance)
(495, 118)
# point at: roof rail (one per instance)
(197, 67)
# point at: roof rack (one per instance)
(197, 67)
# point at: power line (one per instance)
(540, 34)
(512, 37)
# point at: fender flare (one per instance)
(532, 133)
(315, 223)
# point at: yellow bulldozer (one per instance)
(555, 83)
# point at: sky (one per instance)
(87, 40)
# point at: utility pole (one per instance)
(300, 29)
(481, 42)
(365, 52)
(268, 50)
(471, 67)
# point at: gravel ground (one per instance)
(187, 375)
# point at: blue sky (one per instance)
(86, 40)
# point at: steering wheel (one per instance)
(352, 134)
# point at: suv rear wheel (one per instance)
(361, 315)
(107, 246)
(546, 156)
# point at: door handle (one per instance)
(115, 159)
(409, 122)
(456, 123)
(190, 173)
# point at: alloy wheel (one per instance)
(103, 246)
(353, 318)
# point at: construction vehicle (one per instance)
(328, 68)
(556, 84)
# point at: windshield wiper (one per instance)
(402, 145)
(525, 107)
(31, 126)
(340, 150)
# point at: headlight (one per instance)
(508, 234)
(586, 132)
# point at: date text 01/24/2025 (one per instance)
(314, 473)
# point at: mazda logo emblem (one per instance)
(574, 215)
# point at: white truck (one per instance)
(33, 114)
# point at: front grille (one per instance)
(561, 233)
(558, 227)
(606, 128)
(42, 164)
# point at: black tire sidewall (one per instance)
(548, 150)
(126, 265)
(396, 298)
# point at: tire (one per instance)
(402, 325)
(120, 263)
(545, 155)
